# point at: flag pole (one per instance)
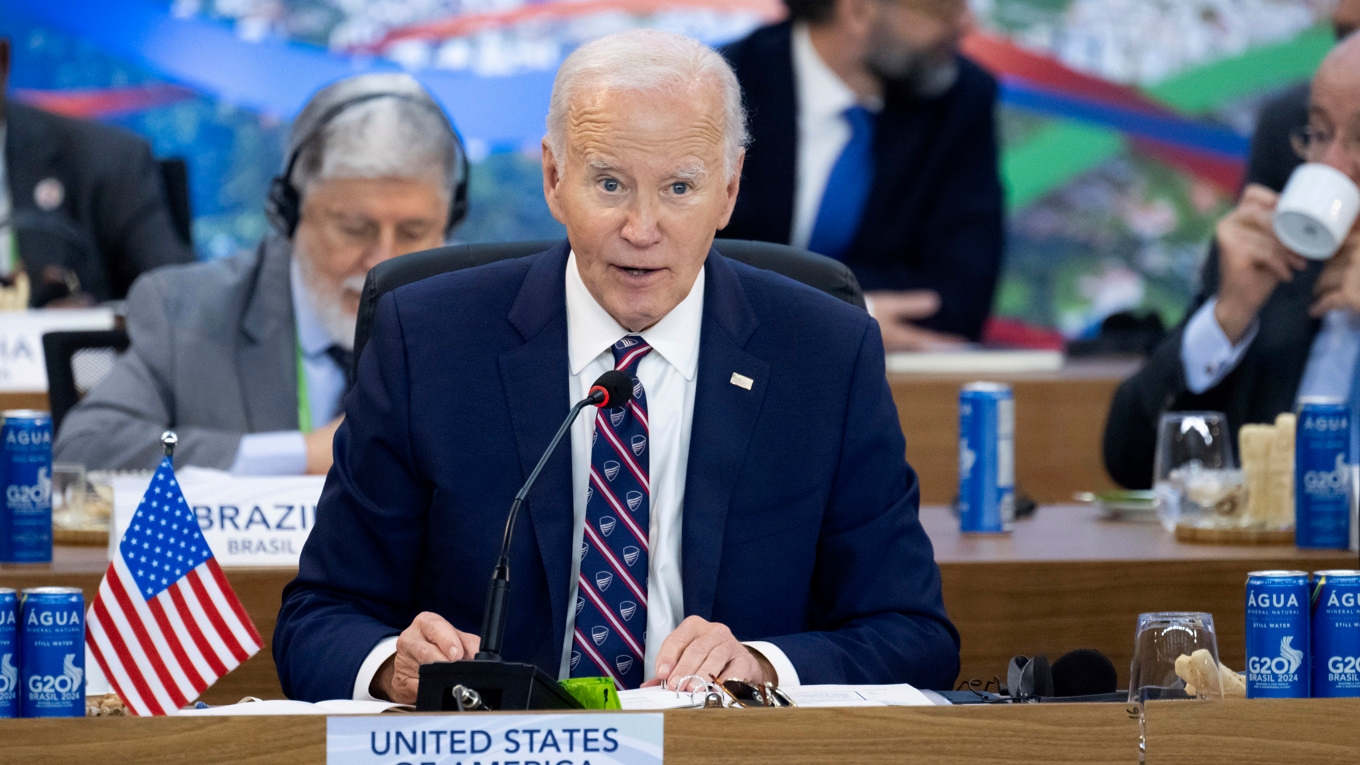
(168, 441)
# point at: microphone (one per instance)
(613, 388)
(507, 685)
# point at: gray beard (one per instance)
(329, 309)
(922, 76)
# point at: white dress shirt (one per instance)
(1208, 356)
(669, 379)
(823, 130)
(284, 452)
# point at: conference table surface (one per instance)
(1066, 578)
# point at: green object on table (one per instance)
(593, 692)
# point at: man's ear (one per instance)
(552, 181)
(733, 186)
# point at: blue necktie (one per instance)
(611, 601)
(847, 188)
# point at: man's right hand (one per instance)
(429, 639)
(320, 444)
(1251, 261)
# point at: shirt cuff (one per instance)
(281, 452)
(364, 680)
(1207, 355)
(788, 676)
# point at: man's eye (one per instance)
(679, 188)
(609, 184)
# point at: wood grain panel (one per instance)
(1254, 732)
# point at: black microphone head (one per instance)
(1083, 672)
(616, 386)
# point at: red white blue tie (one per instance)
(611, 600)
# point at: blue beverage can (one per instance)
(1277, 635)
(26, 475)
(52, 630)
(986, 457)
(1336, 633)
(1322, 509)
(9, 653)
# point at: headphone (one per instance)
(283, 204)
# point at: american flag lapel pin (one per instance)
(741, 381)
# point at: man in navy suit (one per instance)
(770, 518)
(874, 142)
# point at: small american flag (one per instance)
(165, 624)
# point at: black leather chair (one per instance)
(76, 362)
(830, 276)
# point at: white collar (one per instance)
(591, 330)
(312, 337)
(821, 94)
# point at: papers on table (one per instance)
(975, 361)
(804, 696)
(287, 707)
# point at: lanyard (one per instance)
(304, 405)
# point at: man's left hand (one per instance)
(1338, 286)
(704, 648)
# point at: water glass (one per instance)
(1193, 465)
(1159, 640)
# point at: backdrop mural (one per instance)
(1124, 122)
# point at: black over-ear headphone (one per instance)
(283, 205)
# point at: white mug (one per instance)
(1316, 210)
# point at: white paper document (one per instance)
(287, 707)
(804, 696)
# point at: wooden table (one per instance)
(1064, 579)
(1059, 424)
(1059, 421)
(960, 735)
(1315, 731)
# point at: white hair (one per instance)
(647, 60)
(387, 137)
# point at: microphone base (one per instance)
(503, 686)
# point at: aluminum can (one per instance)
(26, 475)
(1277, 635)
(1336, 633)
(1322, 510)
(9, 653)
(986, 457)
(52, 649)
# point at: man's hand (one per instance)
(1338, 286)
(703, 648)
(896, 310)
(429, 639)
(319, 447)
(1251, 261)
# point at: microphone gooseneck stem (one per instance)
(498, 591)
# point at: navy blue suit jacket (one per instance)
(934, 218)
(800, 513)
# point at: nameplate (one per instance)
(22, 369)
(253, 521)
(480, 738)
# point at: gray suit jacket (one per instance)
(212, 357)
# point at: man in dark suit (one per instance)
(874, 142)
(755, 489)
(83, 211)
(1268, 327)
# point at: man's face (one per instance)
(349, 225)
(1334, 111)
(642, 191)
(1346, 17)
(915, 41)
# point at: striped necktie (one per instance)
(611, 601)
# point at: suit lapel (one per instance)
(720, 434)
(535, 378)
(769, 178)
(266, 357)
(898, 137)
(37, 161)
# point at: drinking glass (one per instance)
(1159, 640)
(68, 495)
(1193, 466)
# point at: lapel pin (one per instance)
(49, 194)
(742, 381)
